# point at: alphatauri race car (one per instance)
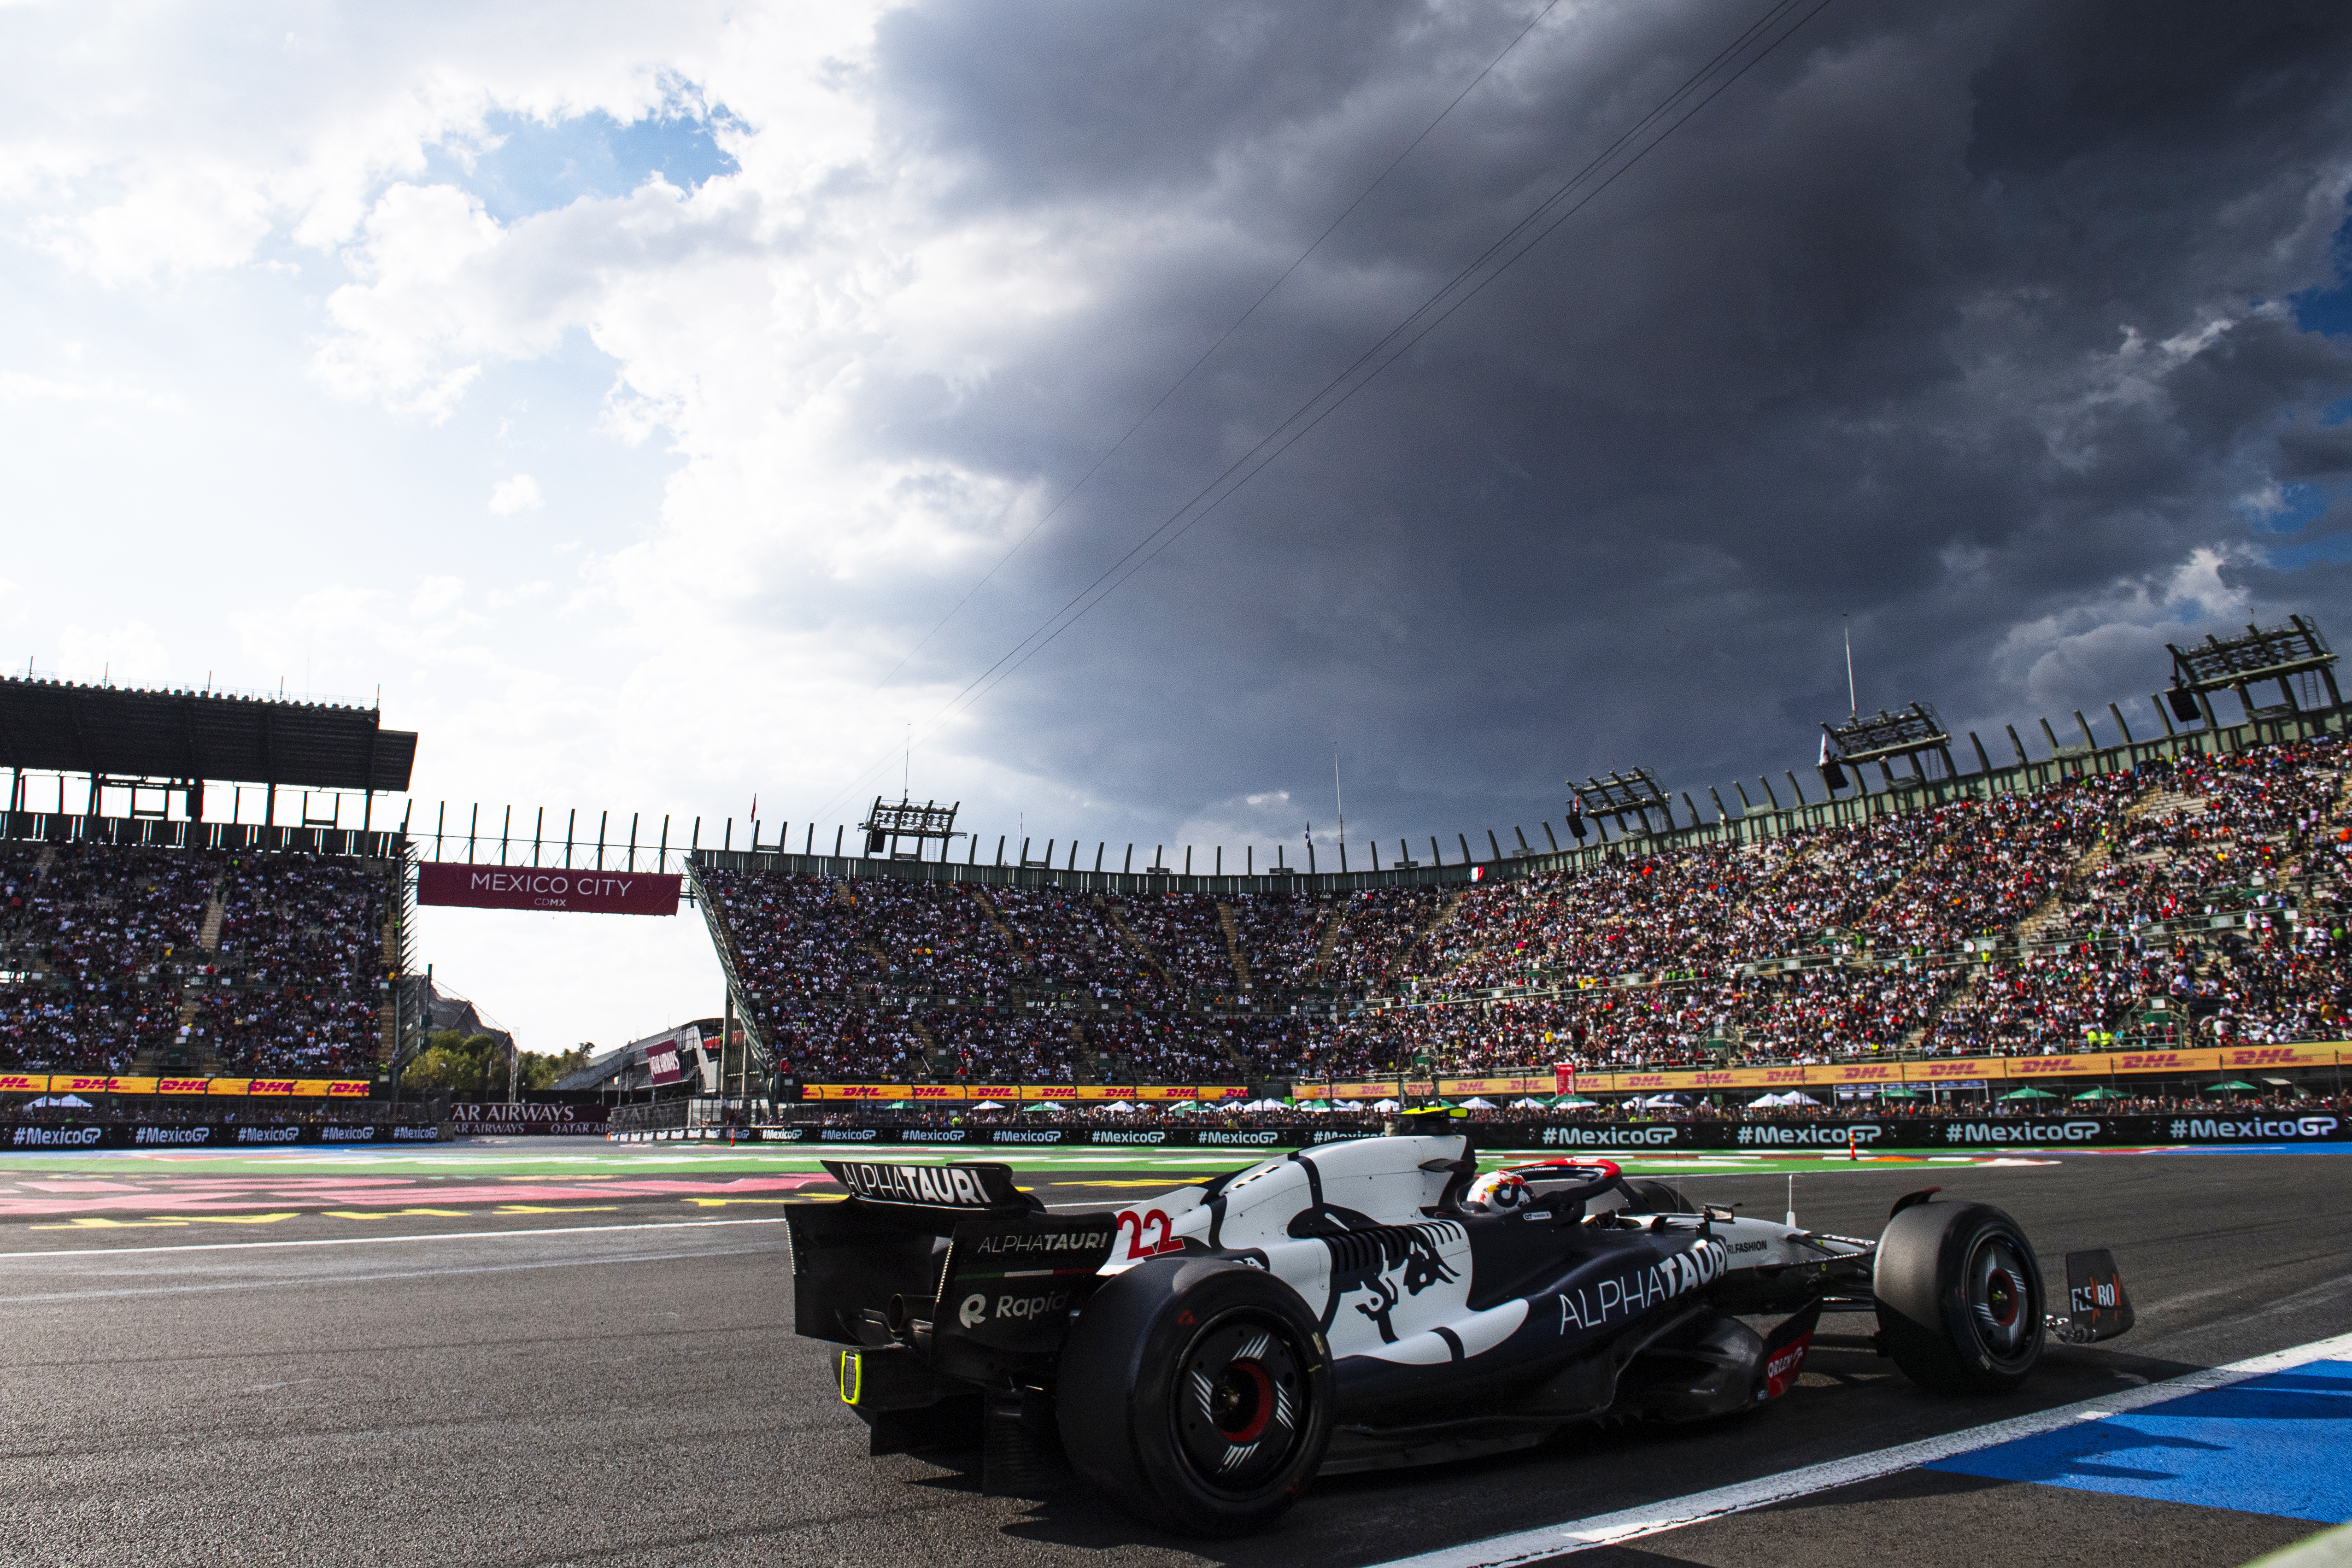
(1200, 1356)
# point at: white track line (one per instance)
(381, 1240)
(1674, 1513)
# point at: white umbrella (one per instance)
(1794, 1098)
(1477, 1102)
(58, 1102)
(1523, 1103)
(1384, 1105)
(988, 1105)
(1119, 1108)
(1766, 1099)
(1657, 1100)
(1346, 1105)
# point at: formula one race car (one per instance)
(1202, 1356)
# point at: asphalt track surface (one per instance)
(542, 1380)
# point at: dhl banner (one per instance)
(2240, 1059)
(69, 1083)
(936, 1091)
(1950, 1069)
(1149, 1091)
(86, 1084)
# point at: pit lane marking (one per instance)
(1549, 1541)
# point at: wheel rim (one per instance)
(1240, 1402)
(2001, 1296)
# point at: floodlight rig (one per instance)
(886, 825)
(1915, 732)
(2236, 663)
(1619, 796)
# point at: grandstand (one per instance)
(2161, 892)
(165, 942)
(2186, 891)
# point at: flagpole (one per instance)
(1853, 703)
(1336, 799)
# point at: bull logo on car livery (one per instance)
(1391, 1264)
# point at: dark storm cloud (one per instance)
(1964, 324)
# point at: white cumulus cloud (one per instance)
(510, 496)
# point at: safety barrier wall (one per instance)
(1827, 1139)
(68, 1136)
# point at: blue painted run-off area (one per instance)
(2271, 1445)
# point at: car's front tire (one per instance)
(1197, 1393)
(1959, 1296)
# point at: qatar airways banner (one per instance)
(541, 887)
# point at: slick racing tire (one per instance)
(1196, 1392)
(1961, 1302)
(1643, 1196)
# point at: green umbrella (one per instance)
(2028, 1092)
(2231, 1086)
(2100, 1093)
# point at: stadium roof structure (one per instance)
(2236, 663)
(1914, 732)
(886, 825)
(1619, 796)
(106, 731)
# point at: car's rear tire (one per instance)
(1644, 1195)
(1196, 1392)
(1959, 1296)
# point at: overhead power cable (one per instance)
(1736, 59)
(1190, 370)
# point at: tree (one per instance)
(545, 1071)
(470, 1067)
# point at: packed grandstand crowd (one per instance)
(2068, 917)
(2058, 919)
(121, 960)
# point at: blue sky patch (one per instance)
(2329, 311)
(539, 167)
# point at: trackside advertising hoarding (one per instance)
(1942, 1070)
(209, 1135)
(546, 888)
(477, 1117)
(1825, 1138)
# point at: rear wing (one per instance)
(952, 1260)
